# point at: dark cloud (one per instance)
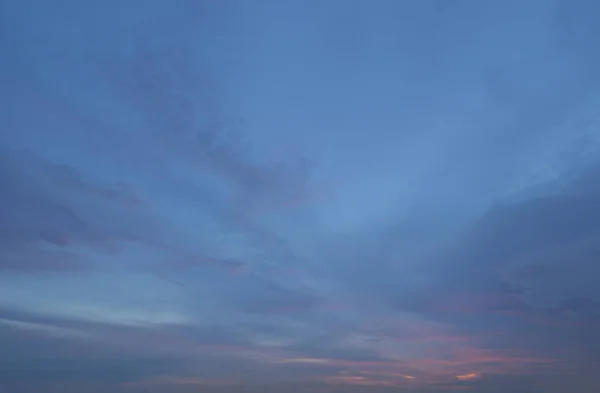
(68, 356)
(39, 226)
(521, 267)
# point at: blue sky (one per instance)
(329, 196)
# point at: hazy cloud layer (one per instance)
(302, 196)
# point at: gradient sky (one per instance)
(305, 196)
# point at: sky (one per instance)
(244, 196)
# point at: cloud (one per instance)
(57, 354)
(159, 229)
(182, 113)
(43, 223)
